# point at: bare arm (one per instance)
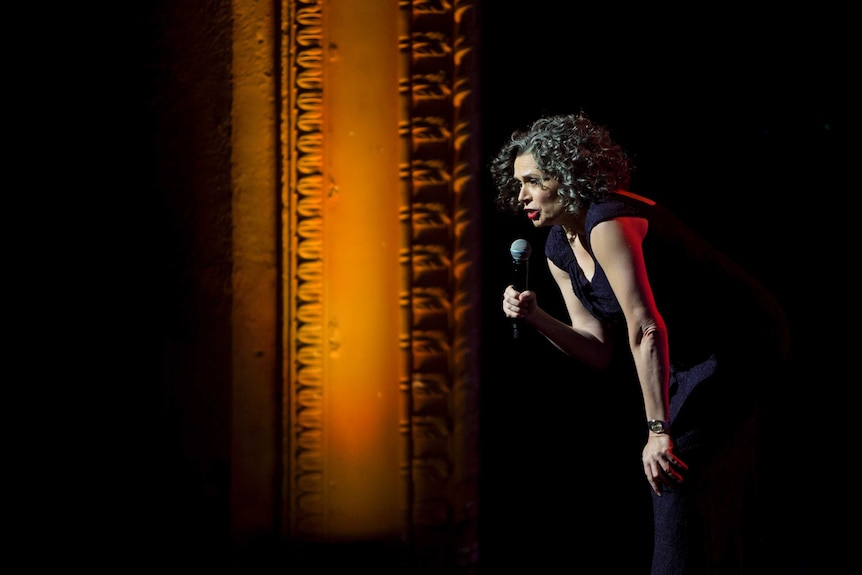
(585, 339)
(617, 246)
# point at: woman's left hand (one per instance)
(662, 468)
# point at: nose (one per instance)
(523, 196)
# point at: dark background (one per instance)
(742, 120)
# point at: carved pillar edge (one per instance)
(440, 127)
(439, 299)
(301, 139)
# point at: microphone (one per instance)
(520, 251)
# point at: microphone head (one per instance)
(520, 250)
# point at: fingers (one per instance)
(664, 470)
(656, 477)
(655, 485)
(661, 480)
(515, 303)
(674, 468)
(510, 302)
(679, 463)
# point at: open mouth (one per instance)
(532, 214)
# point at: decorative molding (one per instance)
(439, 255)
(303, 193)
(439, 130)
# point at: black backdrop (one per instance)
(740, 121)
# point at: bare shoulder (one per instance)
(617, 233)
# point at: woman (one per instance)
(648, 297)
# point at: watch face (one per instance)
(656, 426)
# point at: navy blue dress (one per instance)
(727, 343)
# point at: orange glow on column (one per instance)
(361, 272)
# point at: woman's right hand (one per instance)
(518, 304)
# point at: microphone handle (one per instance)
(520, 272)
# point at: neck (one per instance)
(573, 226)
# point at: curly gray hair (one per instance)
(579, 154)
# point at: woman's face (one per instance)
(538, 194)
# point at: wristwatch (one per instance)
(658, 426)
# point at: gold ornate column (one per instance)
(380, 281)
